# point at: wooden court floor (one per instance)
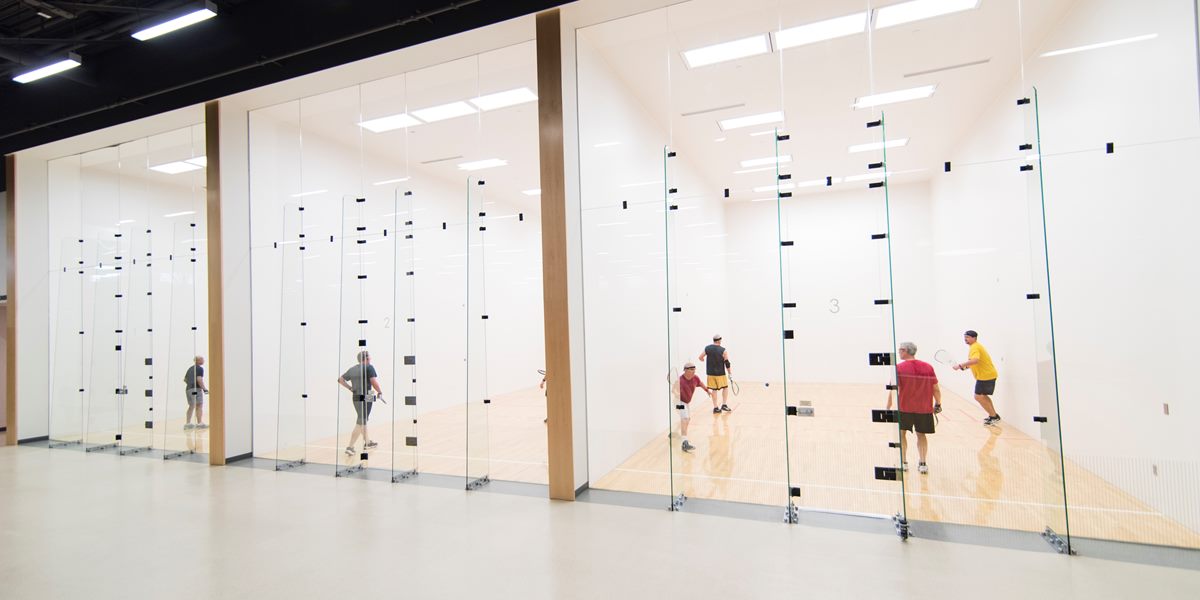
(988, 476)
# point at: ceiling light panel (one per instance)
(821, 31)
(504, 99)
(389, 123)
(770, 160)
(199, 161)
(1097, 46)
(66, 64)
(727, 51)
(442, 112)
(207, 12)
(482, 164)
(916, 93)
(878, 145)
(175, 168)
(750, 120)
(917, 10)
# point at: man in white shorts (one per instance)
(688, 382)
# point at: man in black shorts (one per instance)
(363, 383)
(716, 365)
(194, 392)
(920, 398)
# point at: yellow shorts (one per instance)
(717, 382)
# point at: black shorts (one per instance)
(985, 387)
(362, 410)
(923, 422)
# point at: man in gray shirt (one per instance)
(363, 383)
(196, 389)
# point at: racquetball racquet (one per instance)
(945, 358)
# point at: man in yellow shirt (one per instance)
(980, 363)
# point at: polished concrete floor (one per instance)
(74, 525)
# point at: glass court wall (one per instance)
(817, 183)
(128, 296)
(396, 252)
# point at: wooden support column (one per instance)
(559, 442)
(10, 357)
(216, 293)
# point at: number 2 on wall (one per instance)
(387, 322)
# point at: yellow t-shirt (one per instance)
(984, 369)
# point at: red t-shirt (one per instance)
(687, 387)
(917, 379)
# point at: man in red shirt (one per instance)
(920, 398)
(688, 382)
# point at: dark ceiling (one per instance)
(249, 44)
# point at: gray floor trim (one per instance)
(453, 482)
(1165, 556)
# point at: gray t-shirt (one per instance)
(360, 377)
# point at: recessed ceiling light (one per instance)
(199, 161)
(389, 123)
(878, 145)
(505, 98)
(770, 160)
(43, 15)
(486, 163)
(916, 10)
(70, 62)
(442, 112)
(175, 168)
(750, 120)
(396, 180)
(533, 192)
(763, 132)
(606, 144)
(179, 214)
(310, 193)
(726, 51)
(207, 12)
(1140, 38)
(916, 93)
(821, 31)
(720, 139)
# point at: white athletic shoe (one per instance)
(188, 426)
(923, 468)
(201, 426)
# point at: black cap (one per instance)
(971, 332)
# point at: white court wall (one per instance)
(1118, 230)
(833, 259)
(625, 258)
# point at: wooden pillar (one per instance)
(10, 357)
(216, 295)
(559, 442)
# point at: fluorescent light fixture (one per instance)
(126, 221)
(726, 51)
(750, 120)
(606, 144)
(772, 188)
(43, 15)
(486, 163)
(821, 31)
(389, 123)
(396, 180)
(504, 99)
(763, 132)
(878, 145)
(70, 62)
(533, 192)
(203, 14)
(916, 93)
(442, 112)
(720, 139)
(916, 10)
(1140, 38)
(175, 168)
(770, 160)
(310, 193)
(199, 161)
(179, 214)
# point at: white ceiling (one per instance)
(816, 85)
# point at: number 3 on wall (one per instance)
(834, 307)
